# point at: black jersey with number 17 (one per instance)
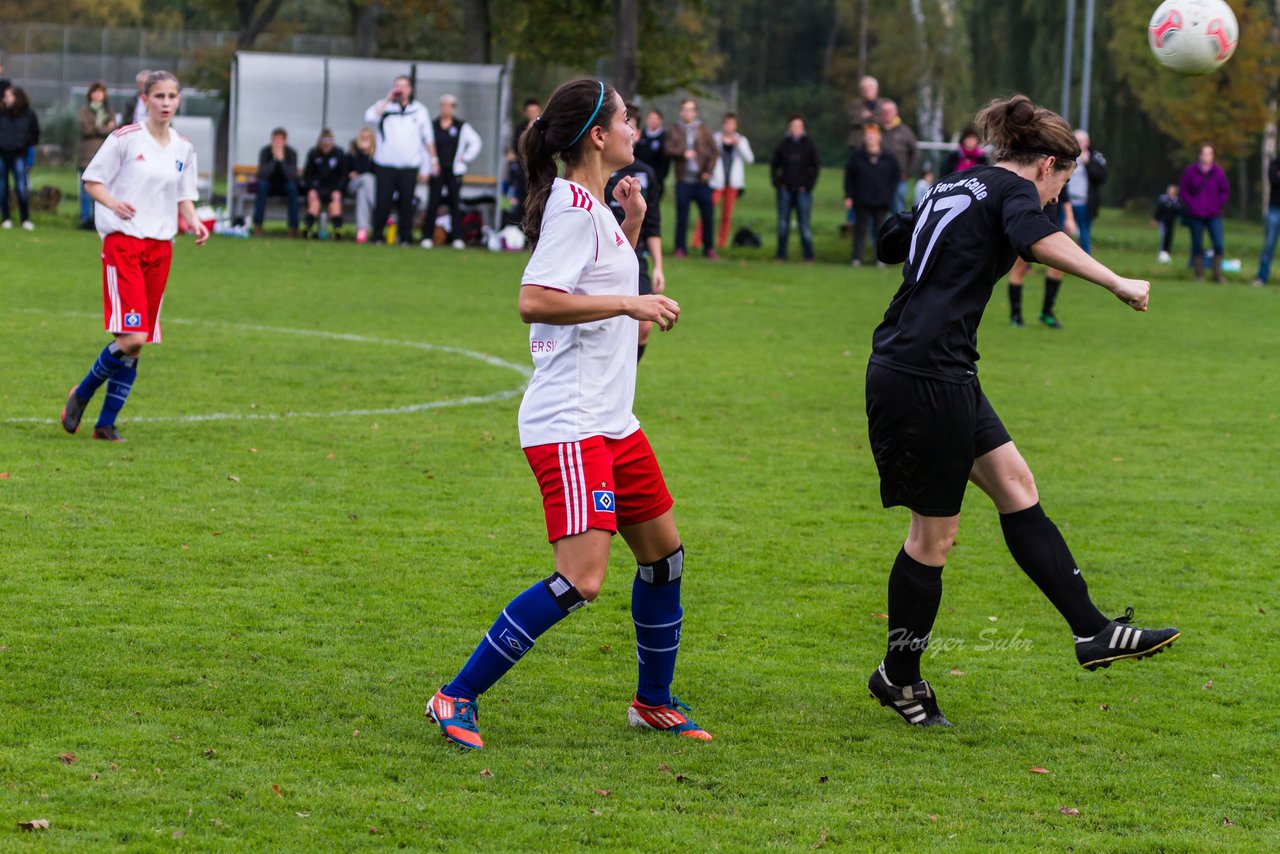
(966, 234)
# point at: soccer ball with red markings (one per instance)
(1193, 36)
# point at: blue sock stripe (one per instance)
(519, 627)
(640, 625)
(658, 648)
(499, 649)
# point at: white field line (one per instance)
(524, 372)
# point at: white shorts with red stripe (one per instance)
(598, 483)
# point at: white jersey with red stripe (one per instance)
(584, 375)
(154, 178)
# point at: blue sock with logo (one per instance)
(656, 612)
(512, 635)
(110, 360)
(118, 388)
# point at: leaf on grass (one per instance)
(328, 456)
(253, 450)
(373, 830)
(1066, 810)
(353, 517)
(4, 475)
(933, 818)
(210, 753)
(486, 774)
(595, 811)
(115, 767)
(823, 779)
(1206, 686)
(604, 793)
(822, 840)
(177, 834)
(879, 616)
(993, 619)
(185, 547)
(93, 776)
(355, 733)
(662, 766)
(1104, 707)
(680, 778)
(68, 758)
(233, 478)
(1038, 770)
(303, 814)
(275, 788)
(1226, 822)
(43, 824)
(955, 671)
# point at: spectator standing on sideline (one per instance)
(863, 111)
(1205, 190)
(652, 149)
(277, 176)
(793, 170)
(729, 177)
(900, 141)
(362, 185)
(325, 177)
(692, 146)
(649, 244)
(5, 83)
(966, 156)
(19, 132)
(1167, 212)
(517, 182)
(96, 124)
(405, 154)
(457, 144)
(1271, 230)
(140, 102)
(870, 180)
(1083, 189)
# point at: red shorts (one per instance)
(134, 273)
(598, 483)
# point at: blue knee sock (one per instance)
(512, 635)
(118, 388)
(110, 360)
(656, 611)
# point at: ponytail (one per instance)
(558, 136)
(1021, 132)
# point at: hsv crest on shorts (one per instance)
(603, 500)
(133, 318)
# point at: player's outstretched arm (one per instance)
(1061, 252)
(548, 305)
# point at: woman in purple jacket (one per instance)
(1205, 190)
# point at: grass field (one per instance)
(233, 621)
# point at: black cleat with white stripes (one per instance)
(1120, 639)
(916, 704)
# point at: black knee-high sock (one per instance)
(915, 591)
(1051, 286)
(1015, 299)
(639, 352)
(1039, 549)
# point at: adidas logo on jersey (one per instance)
(140, 157)
(618, 238)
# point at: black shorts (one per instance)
(646, 284)
(925, 435)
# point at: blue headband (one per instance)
(594, 113)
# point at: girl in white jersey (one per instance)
(142, 178)
(596, 470)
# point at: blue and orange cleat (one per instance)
(457, 719)
(667, 718)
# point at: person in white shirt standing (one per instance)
(140, 102)
(143, 178)
(405, 154)
(596, 470)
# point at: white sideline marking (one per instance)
(524, 371)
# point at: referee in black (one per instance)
(932, 429)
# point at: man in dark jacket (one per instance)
(277, 176)
(1271, 228)
(1083, 188)
(794, 172)
(870, 180)
(692, 147)
(651, 148)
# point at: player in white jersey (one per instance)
(598, 475)
(142, 178)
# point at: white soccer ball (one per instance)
(1193, 36)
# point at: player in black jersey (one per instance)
(1066, 219)
(649, 246)
(932, 429)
